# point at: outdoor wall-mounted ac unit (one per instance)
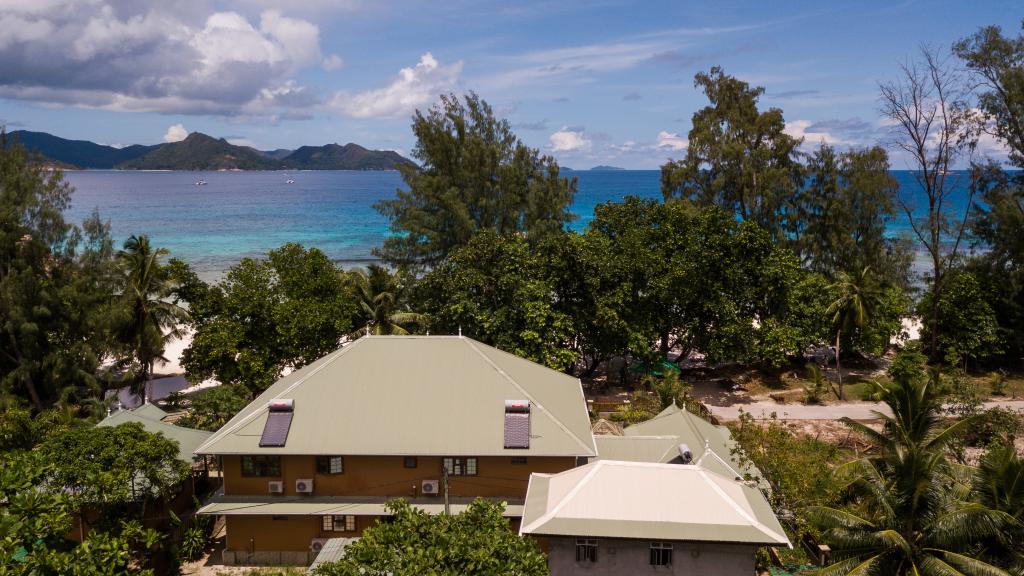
(275, 487)
(317, 545)
(430, 487)
(304, 486)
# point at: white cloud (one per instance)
(154, 56)
(413, 88)
(569, 140)
(175, 133)
(671, 140)
(332, 62)
(813, 138)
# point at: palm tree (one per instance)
(855, 302)
(382, 305)
(907, 510)
(151, 318)
(999, 485)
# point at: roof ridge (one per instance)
(249, 417)
(739, 509)
(591, 449)
(568, 496)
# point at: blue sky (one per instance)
(598, 82)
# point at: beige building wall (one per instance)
(387, 476)
(615, 557)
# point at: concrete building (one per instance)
(320, 452)
(615, 517)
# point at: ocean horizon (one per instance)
(245, 214)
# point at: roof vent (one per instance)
(685, 454)
(517, 423)
(279, 422)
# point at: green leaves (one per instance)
(284, 311)
(477, 541)
(475, 175)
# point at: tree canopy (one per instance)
(474, 175)
(284, 311)
(477, 541)
(737, 157)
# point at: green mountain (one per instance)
(77, 153)
(278, 154)
(347, 157)
(201, 152)
(603, 168)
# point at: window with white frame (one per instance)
(661, 554)
(586, 550)
(330, 464)
(460, 466)
(339, 524)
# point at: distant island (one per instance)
(603, 168)
(201, 152)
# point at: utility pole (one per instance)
(444, 486)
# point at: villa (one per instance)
(433, 419)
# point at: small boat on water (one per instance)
(289, 181)
(200, 182)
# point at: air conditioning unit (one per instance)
(304, 486)
(430, 487)
(317, 545)
(275, 487)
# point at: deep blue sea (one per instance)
(239, 214)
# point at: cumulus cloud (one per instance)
(569, 140)
(175, 133)
(413, 88)
(671, 141)
(147, 56)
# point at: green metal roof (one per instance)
(333, 550)
(611, 499)
(415, 395)
(188, 439)
(688, 428)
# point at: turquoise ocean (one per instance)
(245, 214)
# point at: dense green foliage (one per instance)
(475, 175)
(347, 157)
(494, 290)
(905, 510)
(477, 541)
(111, 467)
(840, 215)
(212, 408)
(35, 519)
(738, 157)
(383, 301)
(968, 329)
(55, 287)
(267, 315)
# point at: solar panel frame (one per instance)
(517, 430)
(275, 431)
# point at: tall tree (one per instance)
(494, 289)
(475, 175)
(151, 317)
(55, 285)
(284, 311)
(904, 514)
(839, 222)
(968, 329)
(856, 298)
(934, 127)
(997, 64)
(382, 300)
(738, 157)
